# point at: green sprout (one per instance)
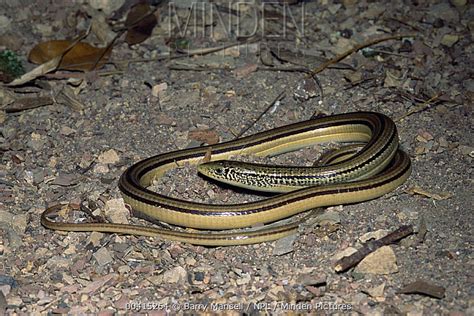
(10, 66)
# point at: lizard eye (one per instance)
(219, 171)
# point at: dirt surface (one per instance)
(75, 151)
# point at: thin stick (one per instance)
(423, 106)
(355, 49)
(259, 68)
(416, 28)
(27, 104)
(348, 262)
(287, 69)
(386, 52)
(183, 53)
(278, 98)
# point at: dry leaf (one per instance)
(423, 288)
(67, 97)
(436, 196)
(6, 97)
(245, 70)
(140, 23)
(82, 56)
(28, 103)
(36, 72)
(204, 135)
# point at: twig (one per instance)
(348, 262)
(49, 66)
(422, 231)
(260, 68)
(424, 288)
(197, 68)
(416, 28)
(27, 104)
(278, 98)
(386, 52)
(359, 82)
(80, 75)
(421, 107)
(287, 69)
(181, 54)
(410, 97)
(208, 50)
(355, 49)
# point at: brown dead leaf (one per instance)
(207, 136)
(140, 23)
(424, 288)
(436, 196)
(39, 71)
(27, 103)
(82, 56)
(246, 70)
(67, 97)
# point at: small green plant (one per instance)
(10, 66)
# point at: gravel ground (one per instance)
(75, 151)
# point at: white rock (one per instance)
(108, 6)
(45, 29)
(381, 261)
(157, 89)
(245, 279)
(175, 275)
(101, 168)
(116, 211)
(17, 222)
(4, 24)
(110, 156)
(66, 130)
(344, 253)
(377, 292)
(449, 40)
(103, 256)
(94, 238)
(373, 235)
